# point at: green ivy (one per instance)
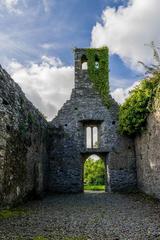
(135, 110)
(99, 75)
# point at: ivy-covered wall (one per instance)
(98, 70)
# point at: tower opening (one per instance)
(84, 62)
(96, 62)
(94, 177)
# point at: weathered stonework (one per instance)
(23, 157)
(68, 150)
(148, 154)
(37, 156)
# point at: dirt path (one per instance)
(86, 216)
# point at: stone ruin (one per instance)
(37, 156)
(69, 149)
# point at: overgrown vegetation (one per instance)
(135, 110)
(98, 71)
(94, 174)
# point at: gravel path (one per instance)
(86, 216)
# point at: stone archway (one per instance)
(104, 157)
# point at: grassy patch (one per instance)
(94, 187)
(10, 213)
(40, 238)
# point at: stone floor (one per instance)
(85, 216)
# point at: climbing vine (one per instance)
(98, 71)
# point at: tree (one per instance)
(94, 172)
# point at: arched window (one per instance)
(84, 63)
(96, 62)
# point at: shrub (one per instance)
(135, 110)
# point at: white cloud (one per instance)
(11, 5)
(46, 4)
(47, 84)
(49, 46)
(120, 94)
(126, 30)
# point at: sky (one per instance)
(37, 38)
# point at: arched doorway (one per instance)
(94, 173)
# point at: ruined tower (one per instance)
(90, 111)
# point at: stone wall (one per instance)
(23, 136)
(68, 148)
(148, 154)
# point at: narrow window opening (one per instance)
(84, 66)
(96, 62)
(95, 137)
(92, 137)
(84, 62)
(88, 137)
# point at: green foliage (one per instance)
(135, 110)
(99, 74)
(94, 187)
(94, 172)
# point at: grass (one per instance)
(10, 213)
(40, 238)
(94, 187)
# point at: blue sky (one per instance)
(63, 24)
(34, 31)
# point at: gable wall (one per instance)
(66, 158)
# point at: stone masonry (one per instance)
(148, 154)
(23, 155)
(37, 156)
(69, 152)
